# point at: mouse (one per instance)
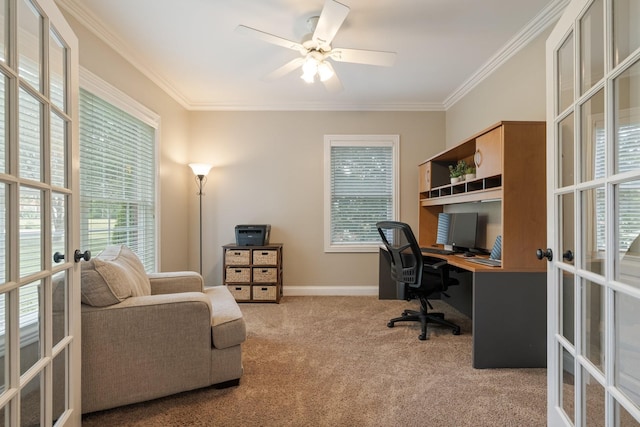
(469, 254)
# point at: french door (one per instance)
(39, 292)
(593, 152)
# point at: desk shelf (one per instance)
(466, 191)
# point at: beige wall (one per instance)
(268, 169)
(515, 91)
(107, 64)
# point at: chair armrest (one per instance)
(175, 282)
(437, 265)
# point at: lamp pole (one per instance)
(200, 182)
(200, 170)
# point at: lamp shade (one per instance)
(200, 168)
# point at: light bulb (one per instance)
(325, 71)
(310, 66)
(309, 69)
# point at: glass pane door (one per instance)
(39, 385)
(593, 99)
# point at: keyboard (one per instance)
(437, 251)
(486, 261)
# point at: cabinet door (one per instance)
(488, 156)
(424, 171)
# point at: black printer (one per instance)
(252, 235)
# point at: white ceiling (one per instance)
(191, 50)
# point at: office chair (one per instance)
(415, 278)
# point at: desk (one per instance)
(508, 311)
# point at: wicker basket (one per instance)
(238, 275)
(237, 257)
(265, 257)
(265, 275)
(240, 293)
(264, 293)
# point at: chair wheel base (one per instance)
(456, 331)
(422, 337)
(390, 325)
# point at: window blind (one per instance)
(117, 179)
(628, 194)
(628, 198)
(361, 192)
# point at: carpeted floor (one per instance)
(332, 361)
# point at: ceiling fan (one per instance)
(316, 50)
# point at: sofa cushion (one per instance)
(227, 324)
(103, 283)
(125, 258)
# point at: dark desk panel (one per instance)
(508, 310)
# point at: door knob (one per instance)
(77, 255)
(568, 255)
(58, 257)
(546, 253)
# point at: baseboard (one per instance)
(330, 290)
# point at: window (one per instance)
(117, 171)
(361, 188)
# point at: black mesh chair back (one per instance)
(404, 251)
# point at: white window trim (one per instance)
(94, 84)
(358, 140)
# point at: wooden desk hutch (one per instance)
(508, 303)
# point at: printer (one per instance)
(252, 235)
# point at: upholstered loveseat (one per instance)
(149, 336)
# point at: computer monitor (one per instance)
(457, 231)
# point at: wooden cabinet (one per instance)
(511, 171)
(253, 273)
(488, 155)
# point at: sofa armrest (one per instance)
(145, 347)
(175, 282)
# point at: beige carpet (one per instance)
(332, 361)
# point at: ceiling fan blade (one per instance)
(333, 83)
(331, 19)
(359, 56)
(285, 69)
(270, 38)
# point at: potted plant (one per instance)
(456, 173)
(470, 173)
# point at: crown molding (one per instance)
(317, 107)
(93, 24)
(548, 16)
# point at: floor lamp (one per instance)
(200, 170)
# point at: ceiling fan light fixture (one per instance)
(309, 69)
(325, 71)
(308, 78)
(310, 66)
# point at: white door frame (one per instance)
(57, 348)
(567, 351)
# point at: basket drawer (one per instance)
(265, 257)
(239, 292)
(264, 293)
(238, 275)
(237, 256)
(265, 275)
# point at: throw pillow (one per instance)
(129, 261)
(106, 285)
